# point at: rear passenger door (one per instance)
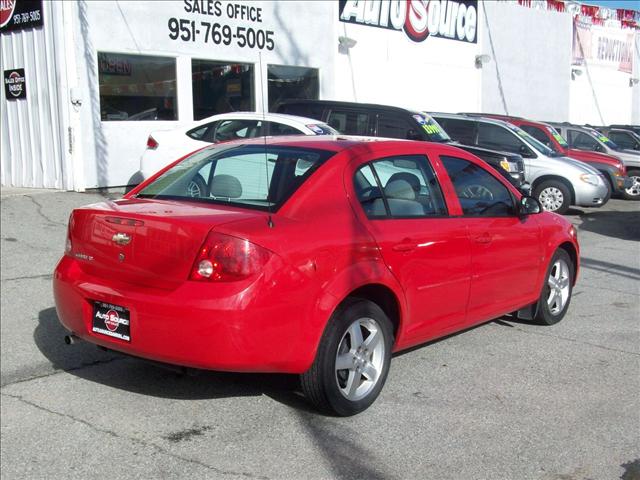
(505, 248)
(427, 251)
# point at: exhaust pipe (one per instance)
(71, 339)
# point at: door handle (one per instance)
(484, 238)
(405, 246)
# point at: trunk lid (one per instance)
(147, 242)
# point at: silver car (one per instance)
(585, 138)
(557, 182)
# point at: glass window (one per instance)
(228, 130)
(221, 87)
(479, 192)
(581, 140)
(137, 87)
(276, 129)
(291, 82)
(399, 187)
(238, 175)
(395, 126)
(349, 122)
(538, 134)
(499, 138)
(462, 131)
(624, 140)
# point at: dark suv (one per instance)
(393, 122)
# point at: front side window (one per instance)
(137, 87)
(582, 141)
(463, 131)
(625, 140)
(480, 194)
(499, 138)
(395, 126)
(399, 187)
(286, 82)
(252, 176)
(349, 122)
(221, 87)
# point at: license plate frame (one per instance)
(111, 320)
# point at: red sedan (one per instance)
(317, 256)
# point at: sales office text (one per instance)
(216, 8)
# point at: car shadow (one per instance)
(87, 361)
(615, 224)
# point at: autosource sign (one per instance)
(20, 14)
(418, 19)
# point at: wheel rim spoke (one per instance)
(372, 341)
(345, 362)
(355, 332)
(353, 381)
(370, 372)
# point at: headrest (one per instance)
(399, 189)
(226, 186)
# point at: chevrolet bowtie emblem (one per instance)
(121, 238)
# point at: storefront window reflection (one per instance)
(291, 82)
(137, 87)
(220, 87)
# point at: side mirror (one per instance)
(529, 206)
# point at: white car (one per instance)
(166, 146)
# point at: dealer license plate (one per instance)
(111, 320)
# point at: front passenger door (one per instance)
(505, 248)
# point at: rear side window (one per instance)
(203, 133)
(462, 131)
(399, 187)
(480, 193)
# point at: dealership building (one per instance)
(86, 82)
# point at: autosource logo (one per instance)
(6, 11)
(111, 319)
(456, 20)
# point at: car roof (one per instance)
(267, 116)
(371, 106)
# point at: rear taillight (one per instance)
(152, 144)
(225, 258)
(68, 246)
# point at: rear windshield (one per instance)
(253, 176)
(432, 128)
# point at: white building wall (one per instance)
(532, 52)
(386, 67)
(35, 146)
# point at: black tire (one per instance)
(633, 192)
(545, 313)
(322, 384)
(547, 190)
(197, 186)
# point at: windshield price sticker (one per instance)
(560, 140)
(603, 139)
(431, 129)
(218, 32)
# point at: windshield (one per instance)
(239, 175)
(539, 146)
(432, 128)
(603, 139)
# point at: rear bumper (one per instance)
(243, 328)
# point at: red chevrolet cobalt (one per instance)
(316, 256)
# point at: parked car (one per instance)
(585, 138)
(166, 146)
(557, 182)
(625, 139)
(394, 122)
(426, 240)
(611, 167)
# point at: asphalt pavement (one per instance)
(505, 400)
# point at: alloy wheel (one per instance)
(634, 189)
(360, 359)
(559, 286)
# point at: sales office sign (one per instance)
(419, 19)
